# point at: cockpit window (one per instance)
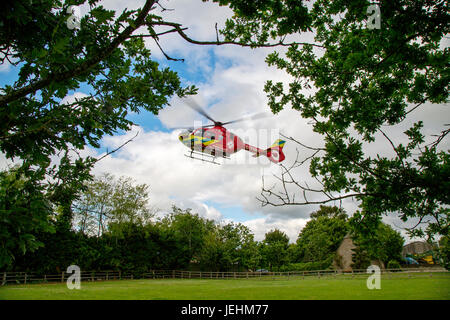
(199, 132)
(210, 134)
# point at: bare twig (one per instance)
(302, 144)
(116, 149)
(163, 8)
(165, 54)
(393, 147)
(217, 33)
(439, 139)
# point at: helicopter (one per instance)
(214, 140)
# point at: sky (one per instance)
(230, 80)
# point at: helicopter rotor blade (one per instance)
(183, 128)
(194, 105)
(252, 117)
(191, 128)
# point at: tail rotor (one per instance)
(275, 152)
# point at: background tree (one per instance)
(274, 249)
(130, 202)
(189, 230)
(351, 84)
(383, 244)
(24, 212)
(322, 235)
(211, 254)
(251, 256)
(229, 247)
(108, 202)
(239, 246)
(444, 251)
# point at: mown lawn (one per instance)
(251, 289)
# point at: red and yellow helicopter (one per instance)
(215, 140)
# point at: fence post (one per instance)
(4, 279)
(200, 274)
(107, 276)
(25, 279)
(120, 275)
(173, 274)
(62, 276)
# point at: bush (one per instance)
(393, 264)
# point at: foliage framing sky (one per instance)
(230, 81)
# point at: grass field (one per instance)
(243, 289)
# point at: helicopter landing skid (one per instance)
(201, 154)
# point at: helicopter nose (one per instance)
(183, 136)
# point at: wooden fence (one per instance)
(29, 277)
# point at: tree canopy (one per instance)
(322, 235)
(24, 212)
(108, 202)
(353, 83)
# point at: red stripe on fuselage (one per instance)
(255, 150)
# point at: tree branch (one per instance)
(180, 31)
(165, 54)
(116, 149)
(283, 196)
(83, 67)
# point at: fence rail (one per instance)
(30, 277)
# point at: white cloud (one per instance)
(261, 226)
(5, 67)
